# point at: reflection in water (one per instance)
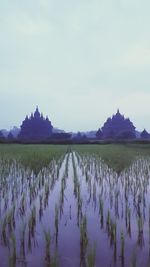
(75, 212)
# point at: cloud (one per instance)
(138, 56)
(79, 60)
(22, 23)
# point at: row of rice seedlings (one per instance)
(113, 237)
(67, 165)
(62, 192)
(59, 165)
(110, 180)
(141, 197)
(112, 227)
(23, 205)
(32, 223)
(31, 227)
(83, 240)
(79, 204)
(94, 194)
(140, 240)
(63, 185)
(75, 175)
(11, 219)
(50, 261)
(22, 243)
(77, 190)
(4, 231)
(129, 222)
(19, 185)
(8, 225)
(15, 184)
(128, 212)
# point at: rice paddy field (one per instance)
(75, 206)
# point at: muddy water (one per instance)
(83, 187)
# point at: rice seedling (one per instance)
(134, 259)
(32, 221)
(54, 262)
(122, 248)
(4, 225)
(140, 241)
(94, 194)
(13, 254)
(108, 220)
(46, 195)
(41, 207)
(22, 242)
(56, 223)
(83, 237)
(129, 223)
(101, 211)
(22, 205)
(47, 237)
(91, 257)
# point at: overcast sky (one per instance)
(78, 60)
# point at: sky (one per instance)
(77, 60)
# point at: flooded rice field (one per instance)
(76, 211)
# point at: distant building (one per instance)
(79, 137)
(145, 135)
(99, 134)
(1, 134)
(10, 136)
(118, 127)
(61, 136)
(2, 137)
(35, 128)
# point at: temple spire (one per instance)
(37, 113)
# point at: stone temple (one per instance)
(35, 128)
(118, 127)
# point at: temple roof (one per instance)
(118, 114)
(36, 127)
(145, 133)
(117, 124)
(37, 113)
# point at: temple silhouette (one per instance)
(117, 127)
(145, 135)
(38, 129)
(35, 128)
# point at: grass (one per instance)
(34, 157)
(117, 156)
